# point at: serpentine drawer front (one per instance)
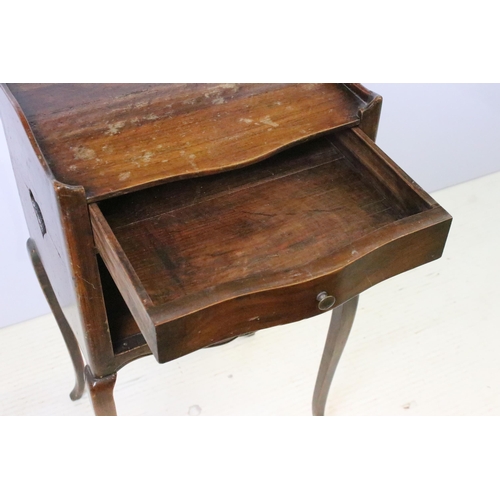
(208, 258)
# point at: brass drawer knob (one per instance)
(325, 301)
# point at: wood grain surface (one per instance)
(66, 248)
(196, 249)
(424, 343)
(202, 234)
(115, 138)
(204, 259)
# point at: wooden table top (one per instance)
(116, 138)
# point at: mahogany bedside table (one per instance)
(165, 218)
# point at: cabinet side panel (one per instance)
(56, 214)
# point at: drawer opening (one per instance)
(190, 247)
(125, 334)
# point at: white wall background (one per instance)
(440, 134)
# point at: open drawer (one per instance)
(204, 259)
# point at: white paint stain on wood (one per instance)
(267, 121)
(124, 176)
(114, 128)
(83, 153)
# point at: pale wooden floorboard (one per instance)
(423, 343)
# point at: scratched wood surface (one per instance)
(209, 263)
(277, 216)
(114, 138)
(423, 343)
(57, 219)
(200, 260)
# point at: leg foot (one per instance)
(79, 388)
(340, 326)
(101, 393)
(67, 332)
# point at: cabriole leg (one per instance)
(67, 332)
(340, 326)
(101, 393)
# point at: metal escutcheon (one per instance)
(325, 301)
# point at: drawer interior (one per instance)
(190, 244)
(125, 333)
